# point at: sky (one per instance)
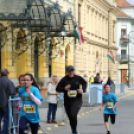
(131, 1)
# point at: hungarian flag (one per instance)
(111, 56)
(78, 34)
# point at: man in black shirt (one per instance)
(73, 86)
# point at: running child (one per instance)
(31, 99)
(110, 101)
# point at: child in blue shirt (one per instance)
(31, 99)
(110, 101)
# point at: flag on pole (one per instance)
(78, 34)
(98, 60)
(111, 56)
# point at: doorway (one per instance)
(124, 76)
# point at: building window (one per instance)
(79, 14)
(123, 54)
(124, 32)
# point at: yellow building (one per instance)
(28, 29)
(98, 20)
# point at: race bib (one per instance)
(72, 93)
(29, 108)
(109, 105)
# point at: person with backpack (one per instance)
(97, 78)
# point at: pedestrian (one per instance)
(97, 79)
(110, 82)
(73, 86)
(7, 88)
(18, 103)
(91, 79)
(31, 99)
(52, 95)
(110, 101)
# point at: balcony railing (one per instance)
(124, 56)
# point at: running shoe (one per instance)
(108, 132)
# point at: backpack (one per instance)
(96, 79)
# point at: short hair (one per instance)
(22, 75)
(4, 72)
(98, 74)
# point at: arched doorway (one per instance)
(67, 56)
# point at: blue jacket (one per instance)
(7, 88)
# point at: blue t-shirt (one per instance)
(109, 100)
(29, 108)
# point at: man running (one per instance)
(110, 101)
(73, 86)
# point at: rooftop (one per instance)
(123, 3)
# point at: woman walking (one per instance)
(52, 95)
(31, 99)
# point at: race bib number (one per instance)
(72, 93)
(29, 108)
(109, 105)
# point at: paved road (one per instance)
(92, 123)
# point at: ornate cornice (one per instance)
(100, 44)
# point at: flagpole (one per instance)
(108, 45)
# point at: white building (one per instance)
(125, 27)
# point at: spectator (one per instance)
(52, 95)
(97, 79)
(110, 82)
(7, 88)
(18, 104)
(91, 79)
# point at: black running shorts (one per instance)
(112, 118)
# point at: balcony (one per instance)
(124, 39)
(122, 59)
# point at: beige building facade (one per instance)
(98, 20)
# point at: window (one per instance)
(123, 32)
(123, 54)
(79, 14)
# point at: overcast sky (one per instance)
(131, 1)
